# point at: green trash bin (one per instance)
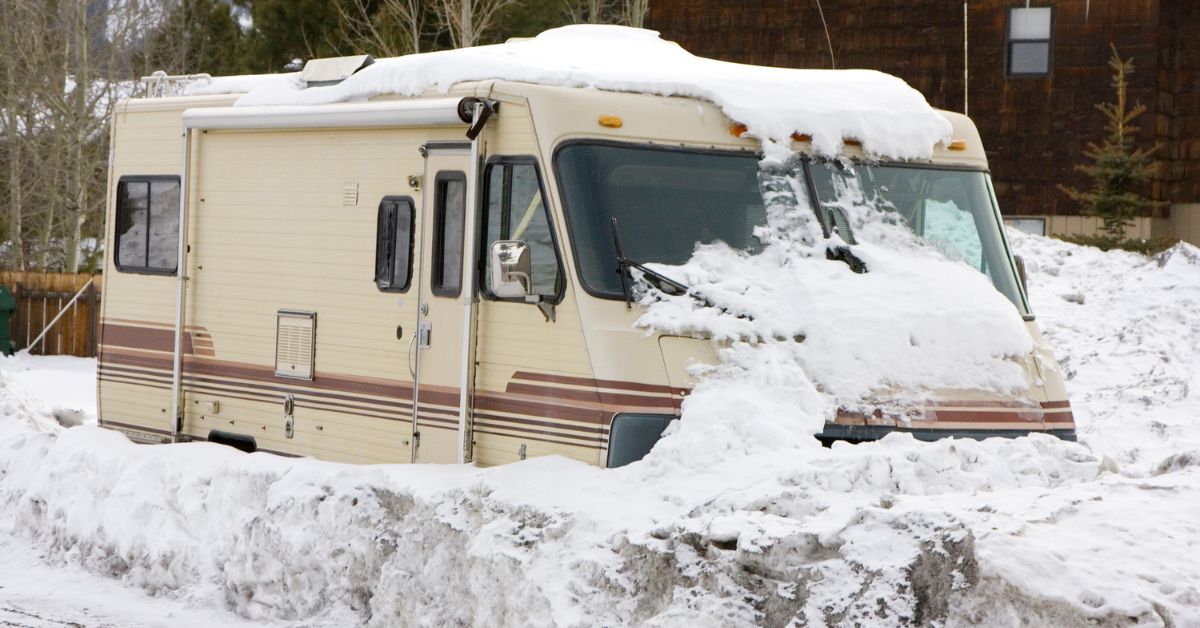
(8, 305)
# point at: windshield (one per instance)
(952, 211)
(667, 201)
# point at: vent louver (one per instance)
(295, 336)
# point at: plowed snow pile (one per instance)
(894, 533)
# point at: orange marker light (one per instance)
(958, 145)
(801, 137)
(852, 142)
(738, 130)
(612, 122)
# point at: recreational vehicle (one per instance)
(436, 278)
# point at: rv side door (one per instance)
(441, 317)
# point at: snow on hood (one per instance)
(810, 336)
(889, 117)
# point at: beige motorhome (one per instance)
(434, 279)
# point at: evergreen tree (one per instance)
(197, 36)
(1119, 169)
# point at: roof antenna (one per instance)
(832, 63)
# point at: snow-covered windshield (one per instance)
(667, 201)
(953, 211)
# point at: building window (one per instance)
(1029, 41)
(394, 244)
(147, 231)
(450, 208)
(516, 210)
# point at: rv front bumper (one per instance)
(863, 433)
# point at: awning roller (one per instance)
(422, 112)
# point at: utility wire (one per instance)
(832, 62)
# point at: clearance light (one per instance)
(958, 145)
(612, 122)
(801, 137)
(738, 130)
(852, 142)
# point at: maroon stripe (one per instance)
(575, 394)
(496, 418)
(144, 338)
(137, 381)
(953, 416)
(596, 383)
(1066, 403)
(494, 403)
(532, 437)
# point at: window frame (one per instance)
(560, 284)
(703, 150)
(1009, 41)
(149, 180)
(438, 252)
(412, 224)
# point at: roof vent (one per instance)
(321, 72)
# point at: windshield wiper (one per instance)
(661, 282)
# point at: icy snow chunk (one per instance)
(889, 117)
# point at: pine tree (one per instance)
(1119, 169)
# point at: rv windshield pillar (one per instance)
(470, 253)
(181, 281)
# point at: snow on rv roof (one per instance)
(889, 117)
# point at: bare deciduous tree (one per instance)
(633, 12)
(394, 29)
(466, 21)
(624, 12)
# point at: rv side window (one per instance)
(450, 205)
(516, 210)
(147, 233)
(393, 244)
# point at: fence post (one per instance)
(94, 323)
(18, 326)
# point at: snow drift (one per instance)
(897, 532)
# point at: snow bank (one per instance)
(1031, 531)
(884, 113)
(1126, 331)
(65, 385)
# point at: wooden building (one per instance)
(1035, 70)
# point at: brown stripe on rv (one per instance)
(537, 408)
(968, 416)
(533, 437)
(487, 416)
(145, 338)
(596, 383)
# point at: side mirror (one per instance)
(509, 269)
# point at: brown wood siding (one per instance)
(1035, 129)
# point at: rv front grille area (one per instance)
(865, 433)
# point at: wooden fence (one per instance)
(40, 297)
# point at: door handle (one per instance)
(412, 367)
(424, 333)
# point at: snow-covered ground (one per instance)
(997, 533)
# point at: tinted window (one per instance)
(393, 244)
(450, 208)
(666, 202)
(147, 230)
(516, 210)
